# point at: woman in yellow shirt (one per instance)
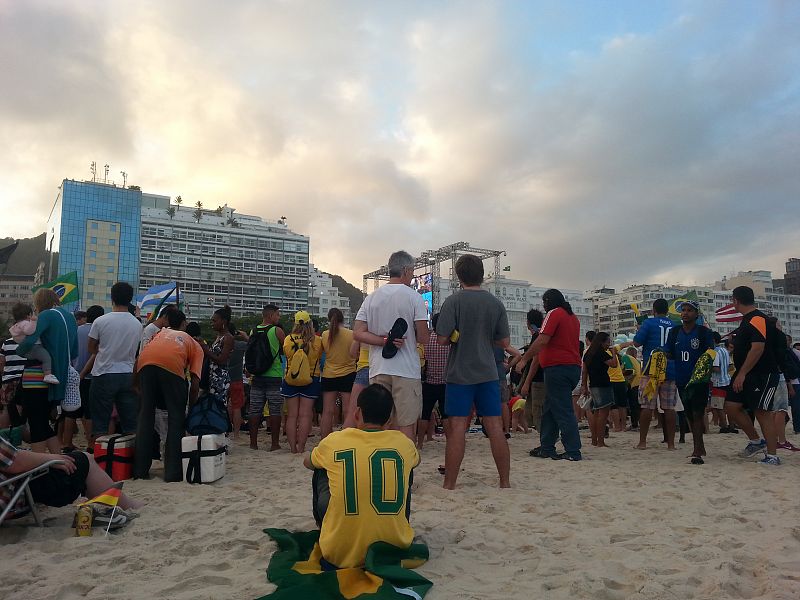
(300, 398)
(339, 372)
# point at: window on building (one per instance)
(92, 254)
(111, 256)
(90, 295)
(92, 267)
(93, 240)
(113, 227)
(90, 281)
(112, 242)
(93, 225)
(110, 270)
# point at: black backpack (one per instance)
(258, 357)
(787, 360)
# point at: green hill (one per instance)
(27, 256)
(348, 290)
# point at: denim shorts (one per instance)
(459, 399)
(602, 397)
(362, 377)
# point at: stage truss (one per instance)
(431, 262)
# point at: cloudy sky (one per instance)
(597, 142)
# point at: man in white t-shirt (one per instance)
(400, 374)
(114, 340)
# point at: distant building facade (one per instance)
(13, 289)
(323, 295)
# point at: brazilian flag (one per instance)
(65, 287)
(300, 573)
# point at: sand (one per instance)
(623, 524)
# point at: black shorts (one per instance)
(758, 392)
(341, 384)
(431, 394)
(620, 389)
(56, 488)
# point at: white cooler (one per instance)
(203, 457)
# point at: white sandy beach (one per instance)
(624, 524)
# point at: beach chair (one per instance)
(21, 483)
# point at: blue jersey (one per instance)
(652, 334)
(685, 348)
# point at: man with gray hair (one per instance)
(392, 321)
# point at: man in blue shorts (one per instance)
(481, 322)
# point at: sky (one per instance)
(596, 142)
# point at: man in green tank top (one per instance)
(265, 387)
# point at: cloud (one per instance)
(644, 153)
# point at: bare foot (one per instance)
(641, 446)
(449, 486)
(601, 445)
(671, 447)
(505, 484)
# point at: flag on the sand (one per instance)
(109, 497)
(297, 571)
(65, 287)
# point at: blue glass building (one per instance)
(95, 229)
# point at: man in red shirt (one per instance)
(559, 357)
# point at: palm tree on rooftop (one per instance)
(198, 213)
(178, 201)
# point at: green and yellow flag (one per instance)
(298, 571)
(65, 287)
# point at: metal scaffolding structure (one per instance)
(430, 261)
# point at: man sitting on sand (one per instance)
(362, 483)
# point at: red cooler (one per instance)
(114, 454)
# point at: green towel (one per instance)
(295, 569)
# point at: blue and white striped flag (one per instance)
(165, 293)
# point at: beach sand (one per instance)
(623, 524)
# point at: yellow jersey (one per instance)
(369, 478)
(363, 357)
(338, 361)
(615, 373)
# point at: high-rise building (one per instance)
(108, 234)
(222, 257)
(791, 281)
(13, 289)
(94, 229)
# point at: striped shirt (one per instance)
(15, 364)
(722, 360)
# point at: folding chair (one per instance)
(21, 482)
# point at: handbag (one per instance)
(72, 393)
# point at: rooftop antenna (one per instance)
(124, 178)
(105, 180)
(93, 169)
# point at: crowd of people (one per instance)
(392, 373)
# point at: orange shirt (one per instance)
(174, 351)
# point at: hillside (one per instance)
(348, 290)
(27, 256)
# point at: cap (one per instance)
(302, 317)
(691, 303)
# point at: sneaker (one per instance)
(724, 429)
(571, 457)
(753, 448)
(101, 517)
(51, 379)
(788, 446)
(770, 460)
